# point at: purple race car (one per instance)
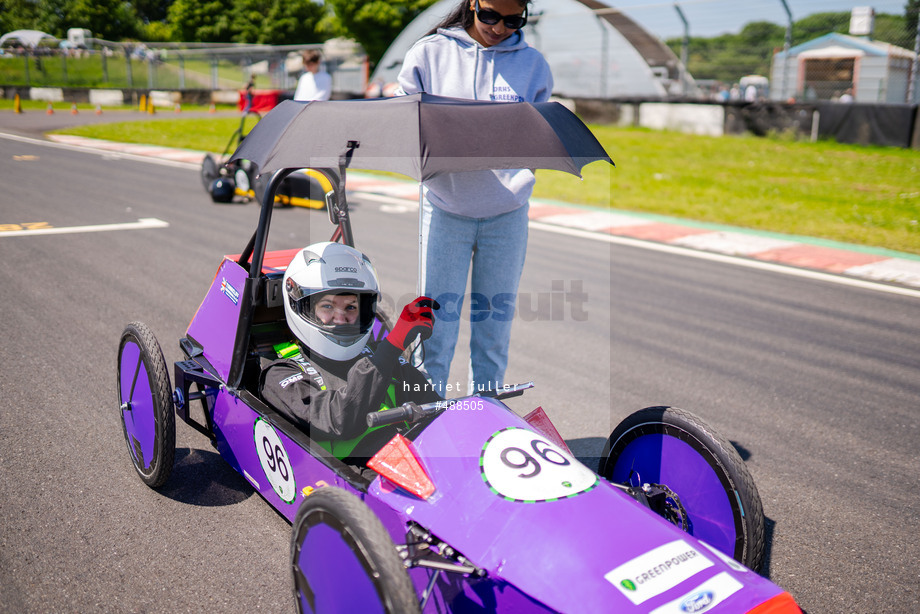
(470, 508)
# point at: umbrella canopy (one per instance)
(421, 136)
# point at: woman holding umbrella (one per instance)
(477, 52)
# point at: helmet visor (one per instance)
(344, 315)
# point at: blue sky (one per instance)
(711, 17)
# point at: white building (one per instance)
(827, 67)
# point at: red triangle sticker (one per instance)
(397, 462)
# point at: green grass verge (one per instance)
(862, 195)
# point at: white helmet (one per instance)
(323, 269)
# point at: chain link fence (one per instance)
(174, 66)
(754, 50)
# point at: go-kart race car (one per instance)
(225, 181)
(468, 507)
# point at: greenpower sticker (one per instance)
(657, 571)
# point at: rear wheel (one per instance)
(145, 404)
(343, 559)
(715, 491)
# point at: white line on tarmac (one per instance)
(141, 224)
(406, 204)
(104, 153)
(596, 236)
(716, 257)
(689, 252)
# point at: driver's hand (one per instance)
(415, 321)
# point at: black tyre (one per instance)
(145, 405)
(343, 559)
(209, 171)
(676, 449)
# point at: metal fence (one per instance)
(106, 64)
(720, 42)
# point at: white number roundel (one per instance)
(520, 465)
(274, 460)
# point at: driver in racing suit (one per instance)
(331, 377)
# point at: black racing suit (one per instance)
(331, 399)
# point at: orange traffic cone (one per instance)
(50, 109)
(73, 108)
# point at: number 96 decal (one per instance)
(522, 466)
(274, 460)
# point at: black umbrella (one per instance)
(421, 136)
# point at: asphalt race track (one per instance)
(816, 383)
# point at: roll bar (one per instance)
(254, 254)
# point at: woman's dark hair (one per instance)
(463, 17)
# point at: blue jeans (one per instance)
(496, 247)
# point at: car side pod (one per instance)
(215, 325)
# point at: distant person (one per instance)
(735, 92)
(249, 93)
(750, 93)
(314, 83)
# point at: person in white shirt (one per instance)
(314, 84)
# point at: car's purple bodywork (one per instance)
(594, 549)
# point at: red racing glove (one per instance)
(416, 320)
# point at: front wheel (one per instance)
(145, 404)
(343, 559)
(676, 449)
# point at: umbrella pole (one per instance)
(418, 282)
(417, 354)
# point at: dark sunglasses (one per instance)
(490, 18)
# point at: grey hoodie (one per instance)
(451, 63)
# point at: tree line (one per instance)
(727, 57)
(376, 23)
